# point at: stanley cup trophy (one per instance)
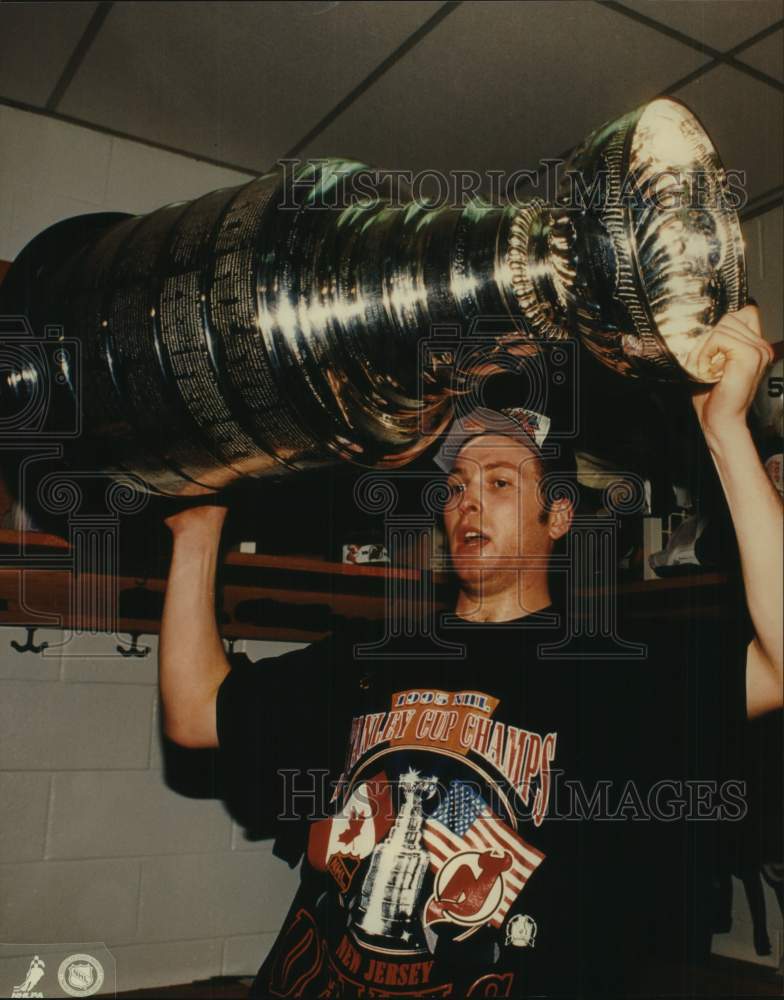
(275, 327)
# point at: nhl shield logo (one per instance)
(80, 975)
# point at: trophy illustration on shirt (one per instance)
(398, 865)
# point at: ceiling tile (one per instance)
(743, 117)
(237, 82)
(36, 42)
(500, 86)
(767, 55)
(721, 24)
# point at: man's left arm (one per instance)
(736, 349)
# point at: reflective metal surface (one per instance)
(643, 252)
(276, 326)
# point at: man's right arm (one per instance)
(192, 660)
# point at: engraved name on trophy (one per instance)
(256, 331)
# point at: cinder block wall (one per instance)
(94, 847)
(93, 844)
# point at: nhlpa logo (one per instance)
(34, 975)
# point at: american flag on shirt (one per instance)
(464, 822)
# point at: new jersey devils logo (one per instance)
(469, 888)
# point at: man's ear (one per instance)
(559, 518)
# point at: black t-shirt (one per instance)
(498, 810)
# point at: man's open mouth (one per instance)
(473, 539)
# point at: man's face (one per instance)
(493, 516)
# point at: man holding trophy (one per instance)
(430, 917)
(515, 813)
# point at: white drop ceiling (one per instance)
(471, 85)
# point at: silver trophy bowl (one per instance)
(278, 326)
(643, 252)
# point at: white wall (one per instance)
(93, 845)
(764, 238)
(50, 170)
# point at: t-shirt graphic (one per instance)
(424, 847)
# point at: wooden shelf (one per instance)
(270, 596)
(262, 597)
(30, 539)
(312, 565)
(44, 597)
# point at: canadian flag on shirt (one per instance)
(357, 828)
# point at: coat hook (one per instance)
(29, 646)
(134, 649)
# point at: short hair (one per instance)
(555, 459)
